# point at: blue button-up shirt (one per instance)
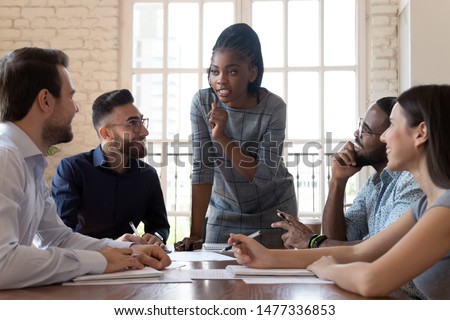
(381, 201)
(95, 200)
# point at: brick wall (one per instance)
(87, 30)
(382, 47)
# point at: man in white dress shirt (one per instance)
(36, 111)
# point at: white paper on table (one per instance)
(223, 274)
(169, 276)
(174, 265)
(213, 246)
(145, 273)
(278, 279)
(199, 256)
(211, 274)
(243, 271)
(113, 281)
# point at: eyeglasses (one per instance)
(135, 125)
(362, 128)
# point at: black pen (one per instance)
(253, 235)
(281, 214)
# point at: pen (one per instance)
(253, 235)
(163, 244)
(281, 214)
(136, 233)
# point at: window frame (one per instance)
(243, 11)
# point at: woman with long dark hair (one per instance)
(417, 246)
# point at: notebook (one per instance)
(146, 272)
(238, 270)
(214, 246)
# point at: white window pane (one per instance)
(273, 81)
(303, 33)
(183, 35)
(179, 168)
(340, 104)
(147, 91)
(148, 36)
(205, 83)
(267, 21)
(179, 227)
(303, 162)
(180, 90)
(339, 32)
(303, 105)
(296, 61)
(154, 155)
(214, 24)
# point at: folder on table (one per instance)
(243, 271)
(146, 272)
(214, 246)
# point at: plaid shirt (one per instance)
(236, 204)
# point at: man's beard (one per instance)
(362, 161)
(55, 134)
(376, 157)
(131, 149)
(134, 150)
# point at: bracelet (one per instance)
(316, 241)
(311, 240)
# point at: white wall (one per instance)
(425, 42)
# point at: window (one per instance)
(311, 59)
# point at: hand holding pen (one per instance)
(147, 238)
(297, 235)
(136, 237)
(253, 235)
(284, 216)
(251, 253)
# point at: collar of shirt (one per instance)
(100, 161)
(385, 176)
(99, 158)
(30, 152)
(23, 142)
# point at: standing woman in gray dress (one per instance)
(239, 178)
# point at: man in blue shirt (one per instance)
(98, 193)
(382, 199)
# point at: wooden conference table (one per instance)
(196, 290)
